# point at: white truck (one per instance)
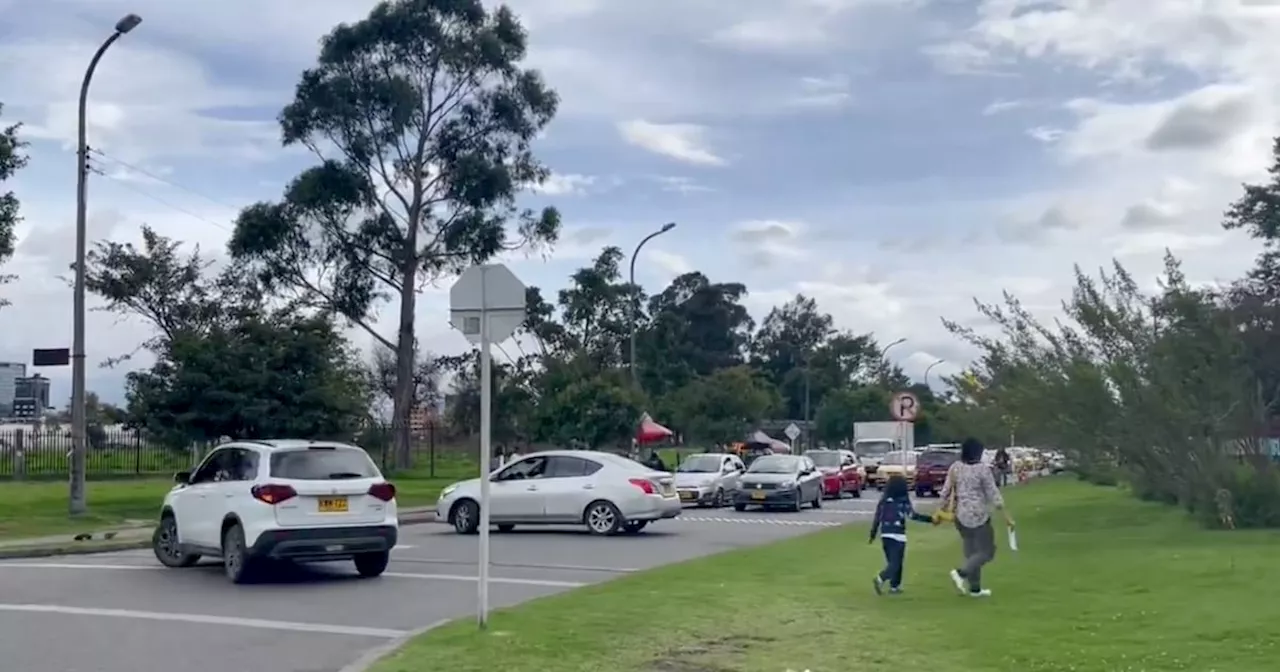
(873, 440)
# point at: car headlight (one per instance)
(448, 490)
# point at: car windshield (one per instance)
(700, 464)
(873, 448)
(322, 464)
(773, 464)
(938, 457)
(824, 459)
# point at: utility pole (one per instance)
(79, 435)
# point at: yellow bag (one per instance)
(947, 512)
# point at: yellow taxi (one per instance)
(891, 464)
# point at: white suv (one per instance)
(280, 499)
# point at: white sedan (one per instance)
(606, 492)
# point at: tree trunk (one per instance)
(406, 357)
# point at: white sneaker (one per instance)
(985, 592)
(961, 584)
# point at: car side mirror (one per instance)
(182, 477)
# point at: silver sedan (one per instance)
(780, 481)
(606, 492)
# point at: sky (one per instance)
(894, 159)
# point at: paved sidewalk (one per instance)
(129, 536)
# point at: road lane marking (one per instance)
(522, 565)
(398, 575)
(492, 579)
(758, 521)
(255, 623)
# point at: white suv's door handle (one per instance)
(531, 488)
(588, 486)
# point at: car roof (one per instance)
(268, 445)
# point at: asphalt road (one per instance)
(123, 612)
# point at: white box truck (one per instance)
(872, 441)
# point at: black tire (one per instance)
(370, 565)
(506, 527)
(797, 505)
(717, 501)
(465, 516)
(857, 493)
(164, 543)
(634, 526)
(602, 518)
(817, 500)
(237, 564)
(920, 492)
(739, 507)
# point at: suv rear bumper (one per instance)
(324, 542)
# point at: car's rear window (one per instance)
(943, 457)
(322, 464)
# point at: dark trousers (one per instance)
(979, 548)
(895, 554)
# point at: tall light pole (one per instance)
(78, 428)
(635, 308)
(928, 369)
(884, 370)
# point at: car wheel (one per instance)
(634, 526)
(603, 518)
(164, 543)
(817, 500)
(857, 492)
(237, 564)
(797, 505)
(506, 527)
(739, 507)
(370, 565)
(717, 501)
(465, 516)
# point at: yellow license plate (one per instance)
(758, 495)
(332, 505)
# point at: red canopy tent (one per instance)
(650, 431)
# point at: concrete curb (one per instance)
(371, 656)
(92, 546)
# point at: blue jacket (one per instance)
(892, 514)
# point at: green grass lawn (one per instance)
(1102, 582)
(39, 509)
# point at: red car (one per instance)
(931, 470)
(839, 473)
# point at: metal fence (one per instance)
(44, 453)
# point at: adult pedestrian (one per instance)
(970, 494)
(1002, 463)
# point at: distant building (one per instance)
(10, 372)
(31, 396)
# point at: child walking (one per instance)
(890, 522)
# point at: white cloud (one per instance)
(561, 184)
(682, 142)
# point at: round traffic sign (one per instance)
(904, 406)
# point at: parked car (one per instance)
(297, 500)
(708, 479)
(608, 493)
(931, 470)
(839, 473)
(780, 481)
(857, 461)
(893, 463)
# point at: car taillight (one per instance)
(384, 491)
(273, 493)
(644, 484)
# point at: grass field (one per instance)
(1102, 583)
(36, 509)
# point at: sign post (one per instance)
(487, 304)
(793, 433)
(904, 408)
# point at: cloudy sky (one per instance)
(892, 158)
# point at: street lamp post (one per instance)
(884, 369)
(635, 308)
(78, 420)
(928, 369)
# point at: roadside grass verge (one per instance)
(39, 509)
(1102, 582)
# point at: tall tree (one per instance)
(427, 374)
(696, 327)
(595, 311)
(788, 339)
(423, 119)
(12, 159)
